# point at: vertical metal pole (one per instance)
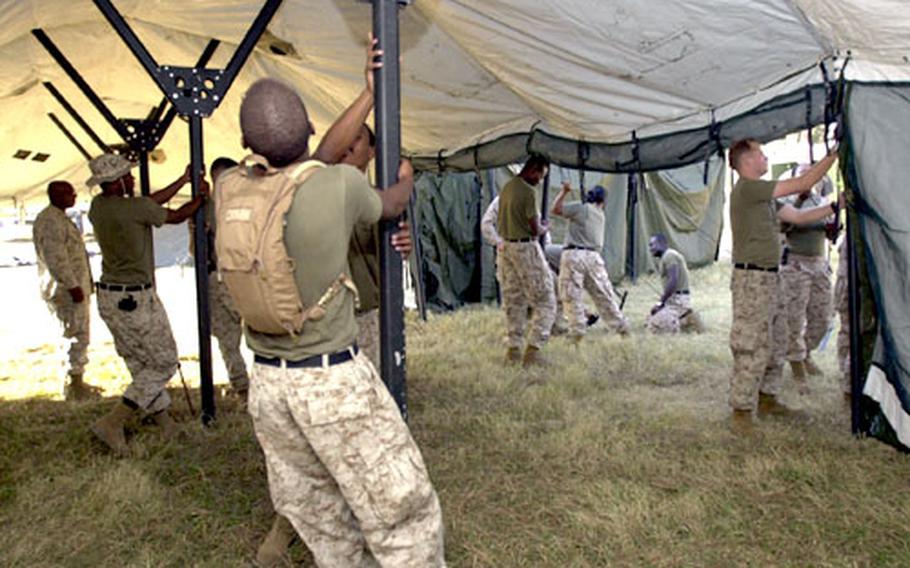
(145, 185)
(856, 348)
(544, 202)
(633, 205)
(388, 151)
(207, 389)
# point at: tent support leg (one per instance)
(388, 151)
(69, 136)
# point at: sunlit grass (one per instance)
(617, 454)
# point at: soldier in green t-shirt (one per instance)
(342, 465)
(673, 312)
(127, 300)
(582, 267)
(521, 267)
(754, 220)
(806, 278)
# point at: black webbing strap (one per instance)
(809, 123)
(584, 152)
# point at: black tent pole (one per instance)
(75, 115)
(69, 136)
(633, 206)
(388, 152)
(856, 351)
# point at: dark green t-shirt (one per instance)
(674, 258)
(317, 235)
(123, 229)
(806, 240)
(586, 225)
(517, 206)
(363, 256)
(753, 220)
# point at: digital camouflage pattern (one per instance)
(343, 468)
(143, 338)
(807, 289)
(227, 327)
(525, 281)
(63, 264)
(668, 318)
(582, 270)
(753, 292)
(842, 305)
(774, 370)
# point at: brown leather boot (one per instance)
(169, 428)
(513, 355)
(741, 423)
(109, 429)
(274, 547)
(75, 389)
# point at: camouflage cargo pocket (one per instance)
(398, 484)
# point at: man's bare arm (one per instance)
(808, 180)
(395, 198)
(163, 196)
(557, 205)
(794, 216)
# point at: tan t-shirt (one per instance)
(317, 235)
(753, 220)
(586, 225)
(517, 206)
(123, 231)
(674, 258)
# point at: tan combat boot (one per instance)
(513, 355)
(741, 423)
(768, 406)
(811, 367)
(109, 429)
(169, 428)
(532, 356)
(75, 389)
(274, 548)
(799, 377)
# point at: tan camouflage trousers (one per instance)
(75, 320)
(525, 281)
(142, 336)
(227, 327)
(582, 270)
(755, 300)
(842, 305)
(668, 319)
(807, 289)
(343, 468)
(368, 335)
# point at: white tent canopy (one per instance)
(478, 76)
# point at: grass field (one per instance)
(616, 455)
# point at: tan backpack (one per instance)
(251, 202)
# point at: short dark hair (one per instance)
(536, 162)
(739, 148)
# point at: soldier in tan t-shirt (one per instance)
(754, 220)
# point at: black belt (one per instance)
(749, 266)
(576, 247)
(122, 287)
(686, 292)
(524, 240)
(314, 361)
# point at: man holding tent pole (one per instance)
(521, 268)
(754, 218)
(342, 465)
(582, 264)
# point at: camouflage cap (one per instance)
(108, 167)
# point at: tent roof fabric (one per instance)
(503, 76)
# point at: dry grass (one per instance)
(617, 455)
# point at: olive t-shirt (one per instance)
(123, 230)
(753, 220)
(517, 206)
(586, 225)
(674, 258)
(807, 240)
(363, 256)
(317, 234)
